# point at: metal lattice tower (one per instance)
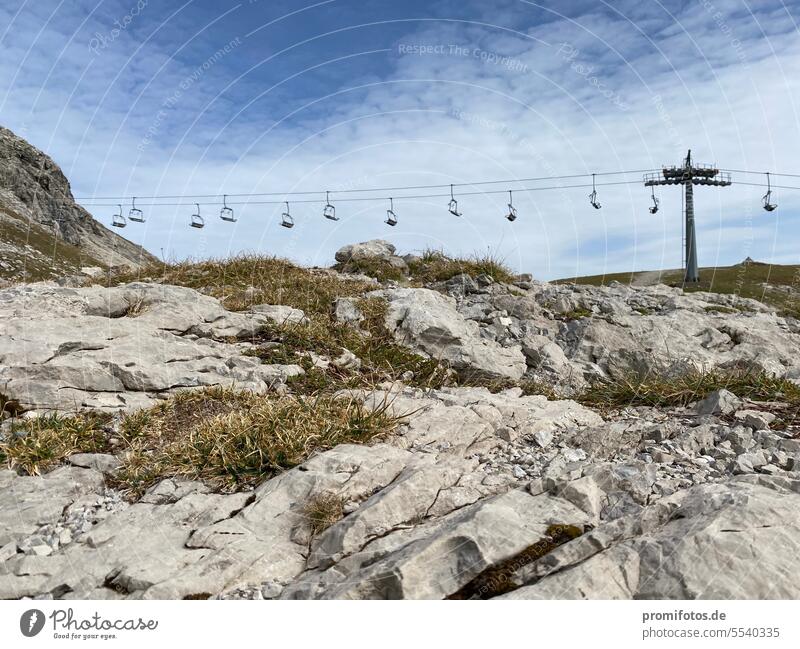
(689, 175)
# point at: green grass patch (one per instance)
(576, 314)
(228, 439)
(719, 308)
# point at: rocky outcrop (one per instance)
(125, 347)
(735, 540)
(474, 495)
(33, 188)
(428, 321)
(571, 335)
(454, 505)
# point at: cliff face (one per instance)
(40, 221)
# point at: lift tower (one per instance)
(689, 175)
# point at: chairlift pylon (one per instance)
(118, 221)
(452, 206)
(512, 211)
(329, 211)
(391, 217)
(593, 195)
(226, 213)
(135, 214)
(197, 221)
(767, 198)
(654, 206)
(286, 218)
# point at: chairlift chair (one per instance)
(767, 198)
(452, 206)
(593, 195)
(654, 206)
(329, 211)
(135, 214)
(512, 211)
(286, 218)
(391, 217)
(197, 221)
(118, 221)
(226, 213)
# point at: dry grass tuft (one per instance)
(231, 439)
(228, 439)
(668, 390)
(244, 280)
(382, 358)
(322, 511)
(380, 269)
(38, 445)
(435, 266)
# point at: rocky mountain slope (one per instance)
(43, 233)
(482, 436)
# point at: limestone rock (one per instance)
(719, 402)
(447, 555)
(428, 322)
(373, 249)
(706, 549)
(122, 348)
(280, 314)
(101, 462)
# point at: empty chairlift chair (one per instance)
(286, 218)
(118, 221)
(593, 196)
(512, 211)
(329, 211)
(197, 221)
(654, 206)
(452, 206)
(767, 198)
(226, 213)
(391, 217)
(135, 214)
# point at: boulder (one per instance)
(373, 249)
(428, 322)
(755, 419)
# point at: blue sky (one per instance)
(150, 98)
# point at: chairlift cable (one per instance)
(372, 189)
(438, 195)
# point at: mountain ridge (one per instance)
(44, 233)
